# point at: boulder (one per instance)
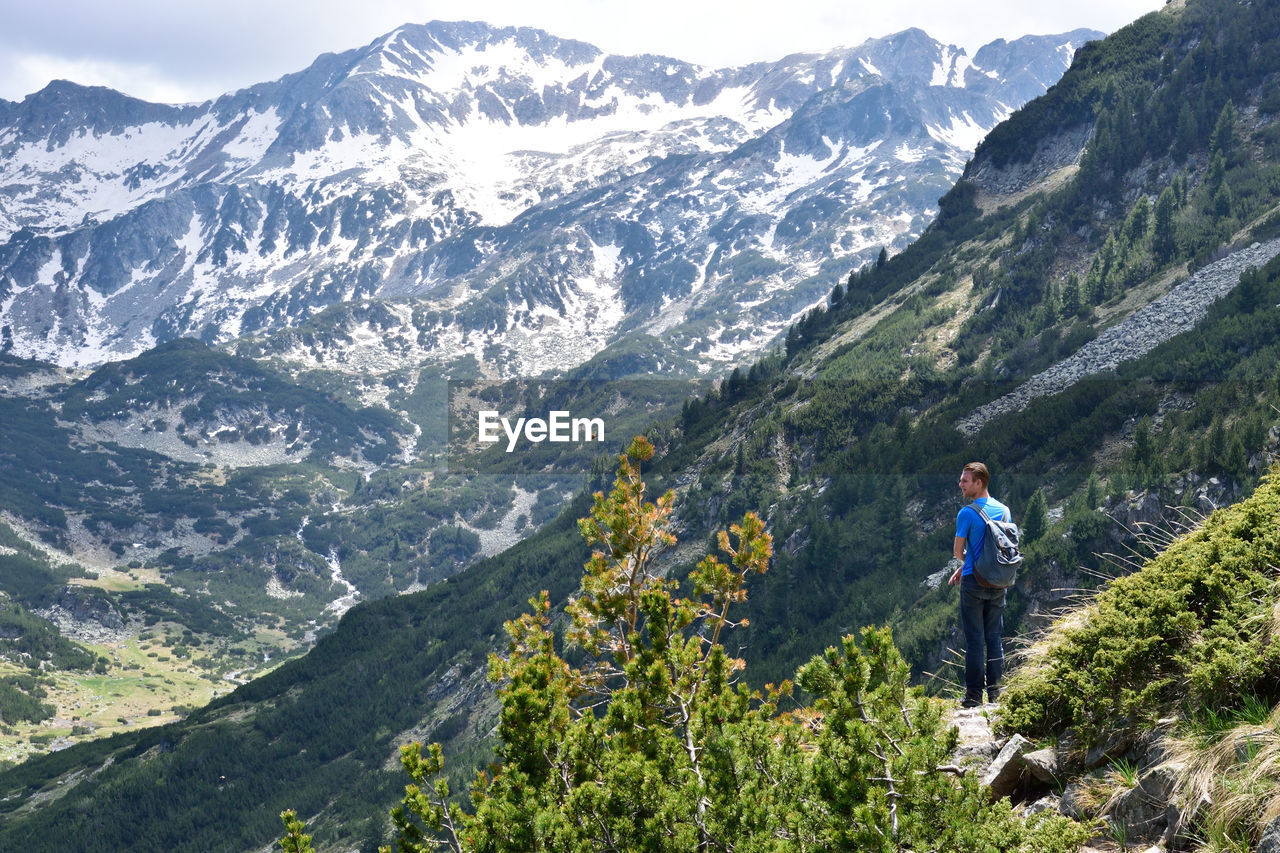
(977, 756)
(1006, 771)
(1145, 810)
(1078, 801)
(1043, 764)
(1047, 803)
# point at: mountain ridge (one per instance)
(370, 175)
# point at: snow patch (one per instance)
(96, 176)
(255, 137)
(964, 132)
(905, 153)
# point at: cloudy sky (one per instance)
(191, 50)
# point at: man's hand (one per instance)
(955, 576)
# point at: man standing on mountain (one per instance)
(981, 607)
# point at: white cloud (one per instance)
(32, 72)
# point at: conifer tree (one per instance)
(1071, 304)
(1223, 139)
(1036, 521)
(1092, 493)
(837, 296)
(1163, 240)
(1135, 227)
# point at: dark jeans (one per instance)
(982, 620)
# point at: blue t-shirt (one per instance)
(970, 526)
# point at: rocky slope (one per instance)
(1137, 334)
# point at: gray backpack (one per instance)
(996, 565)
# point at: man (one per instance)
(981, 607)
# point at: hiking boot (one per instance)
(993, 694)
(971, 702)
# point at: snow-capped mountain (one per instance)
(455, 190)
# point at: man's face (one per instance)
(970, 486)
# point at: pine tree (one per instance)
(1135, 227)
(1185, 135)
(1093, 493)
(1051, 307)
(1163, 240)
(295, 839)
(1142, 452)
(1036, 521)
(1071, 303)
(1223, 139)
(1250, 292)
(1223, 202)
(837, 296)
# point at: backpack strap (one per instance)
(981, 511)
(981, 541)
(986, 519)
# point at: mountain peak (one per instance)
(425, 42)
(64, 106)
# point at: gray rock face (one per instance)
(977, 746)
(978, 754)
(85, 618)
(90, 609)
(1043, 765)
(1270, 841)
(1176, 312)
(1064, 149)
(1146, 811)
(1075, 801)
(1007, 769)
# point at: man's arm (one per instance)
(957, 551)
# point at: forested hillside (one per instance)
(1157, 155)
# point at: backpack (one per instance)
(997, 567)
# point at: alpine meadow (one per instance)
(266, 582)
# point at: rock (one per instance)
(85, 607)
(1182, 820)
(1047, 803)
(1270, 841)
(1076, 757)
(977, 745)
(1043, 764)
(1114, 747)
(1077, 802)
(1144, 810)
(1006, 771)
(977, 755)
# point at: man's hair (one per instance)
(979, 472)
